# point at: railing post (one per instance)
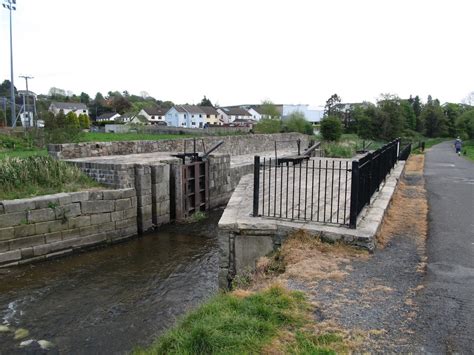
(354, 194)
(298, 142)
(256, 184)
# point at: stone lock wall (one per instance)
(234, 145)
(151, 182)
(43, 227)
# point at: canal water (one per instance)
(113, 299)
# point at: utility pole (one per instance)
(26, 77)
(11, 6)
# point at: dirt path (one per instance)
(372, 297)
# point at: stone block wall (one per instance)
(115, 176)
(43, 227)
(233, 145)
(151, 182)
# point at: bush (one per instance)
(62, 128)
(268, 125)
(297, 123)
(331, 128)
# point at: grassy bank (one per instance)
(274, 320)
(347, 146)
(33, 176)
(429, 142)
(468, 149)
(11, 146)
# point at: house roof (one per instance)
(69, 105)
(192, 109)
(209, 110)
(235, 111)
(107, 115)
(155, 111)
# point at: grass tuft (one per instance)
(32, 176)
(234, 324)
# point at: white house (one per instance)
(231, 113)
(153, 114)
(186, 116)
(108, 116)
(77, 108)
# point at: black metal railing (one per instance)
(367, 175)
(324, 190)
(405, 152)
(309, 191)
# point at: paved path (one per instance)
(447, 305)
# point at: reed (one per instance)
(39, 175)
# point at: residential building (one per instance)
(188, 116)
(126, 118)
(231, 113)
(66, 107)
(212, 116)
(108, 116)
(153, 114)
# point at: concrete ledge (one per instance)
(237, 223)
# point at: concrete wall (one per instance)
(43, 227)
(234, 145)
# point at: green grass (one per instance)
(348, 145)
(119, 137)
(468, 149)
(39, 175)
(23, 153)
(233, 324)
(429, 142)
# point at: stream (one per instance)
(113, 299)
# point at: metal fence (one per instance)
(310, 191)
(324, 190)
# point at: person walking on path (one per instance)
(458, 146)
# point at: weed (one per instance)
(32, 176)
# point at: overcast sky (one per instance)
(236, 52)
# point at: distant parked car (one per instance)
(161, 123)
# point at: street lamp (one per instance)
(11, 6)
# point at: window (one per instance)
(152, 117)
(82, 110)
(192, 116)
(193, 123)
(184, 115)
(183, 124)
(200, 116)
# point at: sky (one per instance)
(246, 51)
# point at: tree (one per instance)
(296, 122)
(205, 102)
(5, 88)
(269, 110)
(362, 122)
(84, 121)
(331, 128)
(329, 108)
(84, 98)
(120, 104)
(452, 112)
(409, 114)
(389, 121)
(434, 120)
(465, 124)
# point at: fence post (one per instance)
(354, 194)
(298, 142)
(256, 184)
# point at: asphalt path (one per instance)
(447, 302)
